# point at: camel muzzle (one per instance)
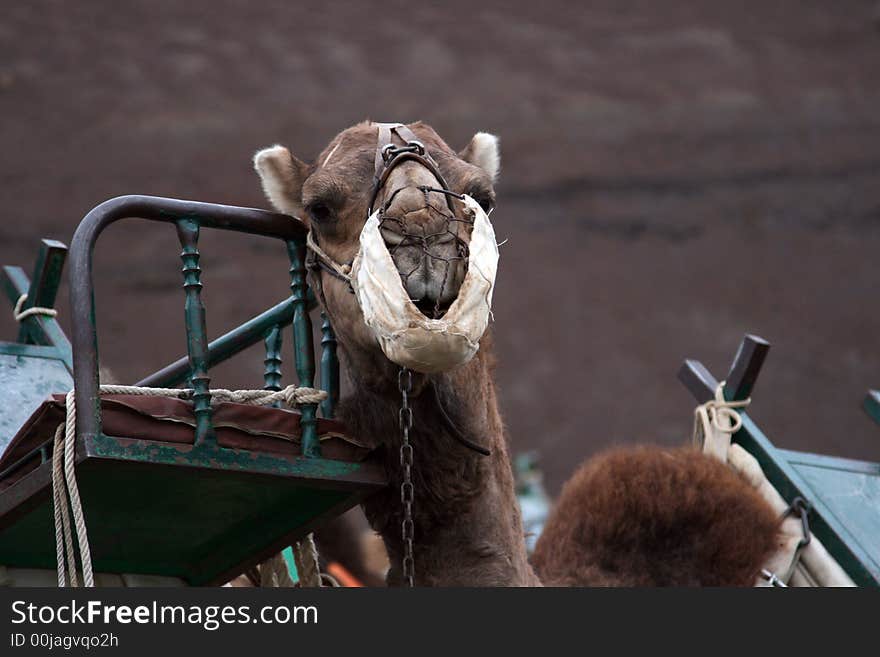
(405, 334)
(424, 292)
(427, 246)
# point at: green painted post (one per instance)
(329, 367)
(272, 361)
(872, 405)
(303, 346)
(196, 330)
(272, 381)
(44, 283)
(43, 330)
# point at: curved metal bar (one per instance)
(82, 302)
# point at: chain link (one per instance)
(405, 419)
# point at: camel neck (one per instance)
(468, 528)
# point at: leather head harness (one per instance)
(388, 156)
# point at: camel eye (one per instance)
(483, 195)
(487, 204)
(319, 212)
(485, 200)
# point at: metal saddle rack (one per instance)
(843, 494)
(183, 489)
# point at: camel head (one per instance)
(411, 185)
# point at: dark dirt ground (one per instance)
(673, 178)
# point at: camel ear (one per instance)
(483, 152)
(282, 175)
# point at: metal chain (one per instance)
(800, 508)
(404, 416)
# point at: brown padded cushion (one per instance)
(239, 426)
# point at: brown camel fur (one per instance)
(649, 516)
(468, 529)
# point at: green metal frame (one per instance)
(872, 405)
(781, 466)
(219, 518)
(303, 346)
(319, 487)
(189, 218)
(39, 337)
(329, 367)
(42, 289)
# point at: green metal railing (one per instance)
(189, 218)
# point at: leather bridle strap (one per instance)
(388, 156)
(450, 425)
(385, 138)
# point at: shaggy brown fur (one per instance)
(656, 517)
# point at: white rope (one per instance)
(716, 421)
(291, 395)
(343, 270)
(20, 314)
(69, 447)
(64, 484)
(274, 572)
(305, 555)
(63, 536)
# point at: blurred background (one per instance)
(674, 175)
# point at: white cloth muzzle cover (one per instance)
(406, 336)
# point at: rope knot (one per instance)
(719, 414)
(292, 396)
(338, 270)
(20, 314)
